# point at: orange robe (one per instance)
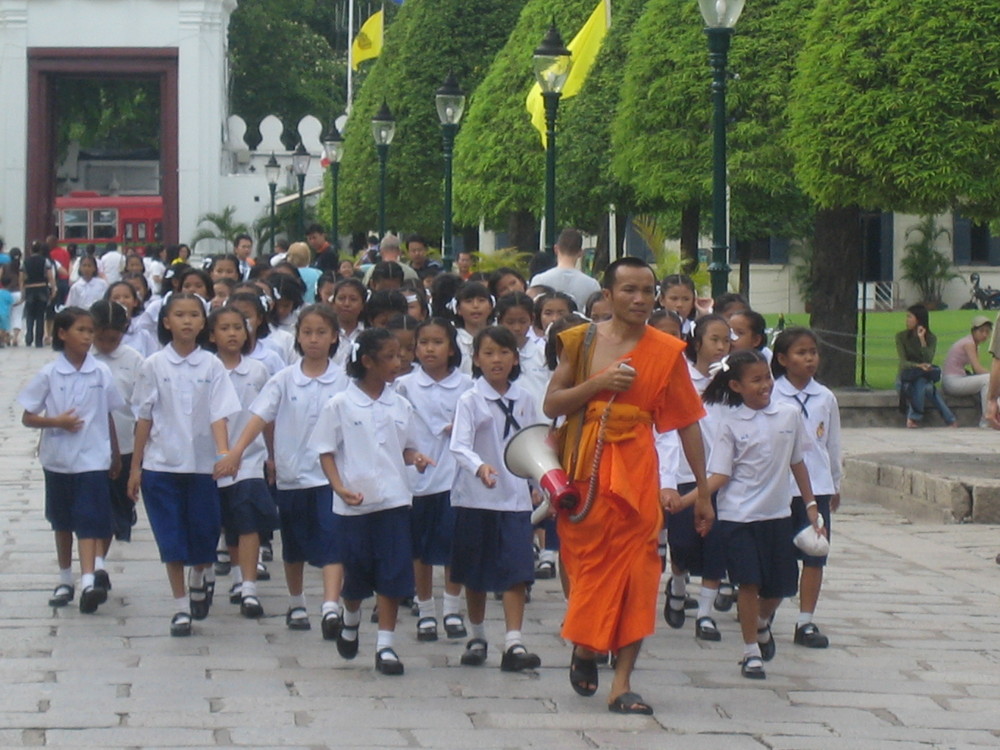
(611, 556)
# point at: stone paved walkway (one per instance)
(911, 611)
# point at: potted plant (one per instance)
(924, 266)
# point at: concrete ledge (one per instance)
(866, 408)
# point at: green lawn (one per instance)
(881, 361)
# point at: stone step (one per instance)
(880, 408)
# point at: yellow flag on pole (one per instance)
(368, 43)
(585, 46)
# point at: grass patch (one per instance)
(882, 364)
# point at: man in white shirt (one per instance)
(112, 263)
(565, 277)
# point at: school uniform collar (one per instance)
(195, 358)
(301, 379)
(242, 367)
(450, 381)
(784, 386)
(746, 413)
(487, 391)
(360, 398)
(116, 354)
(64, 367)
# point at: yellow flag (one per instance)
(585, 46)
(368, 43)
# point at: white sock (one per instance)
(98, 563)
(426, 607)
(452, 604)
(86, 581)
(706, 600)
(385, 639)
(196, 578)
(678, 587)
(751, 649)
(237, 574)
(478, 630)
(511, 639)
(547, 555)
(181, 604)
(329, 606)
(66, 576)
(248, 588)
(296, 601)
(209, 573)
(804, 618)
(351, 621)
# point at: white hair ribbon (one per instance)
(721, 366)
(355, 348)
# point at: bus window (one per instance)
(75, 226)
(158, 231)
(129, 231)
(141, 226)
(105, 223)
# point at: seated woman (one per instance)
(964, 356)
(917, 374)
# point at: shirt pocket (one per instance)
(182, 393)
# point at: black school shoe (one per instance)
(91, 598)
(102, 580)
(517, 658)
(808, 635)
(768, 647)
(388, 663)
(62, 595)
(475, 653)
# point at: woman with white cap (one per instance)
(964, 356)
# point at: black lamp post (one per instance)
(552, 62)
(300, 165)
(273, 172)
(450, 101)
(720, 17)
(383, 129)
(333, 145)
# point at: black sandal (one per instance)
(583, 675)
(251, 608)
(62, 595)
(427, 629)
(296, 618)
(180, 625)
(630, 703)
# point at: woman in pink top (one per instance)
(963, 356)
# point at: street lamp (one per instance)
(333, 145)
(552, 62)
(450, 101)
(383, 129)
(300, 166)
(720, 17)
(273, 172)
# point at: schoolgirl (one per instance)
(89, 288)
(124, 362)
(252, 309)
(182, 400)
(505, 281)
(690, 553)
(247, 508)
(364, 438)
(196, 281)
(71, 401)
(416, 300)
(224, 267)
(548, 309)
(677, 293)
(135, 336)
(492, 545)
(348, 300)
(757, 441)
(223, 290)
(292, 400)
(598, 308)
(796, 358)
(289, 296)
(749, 331)
(380, 306)
(404, 328)
(433, 389)
(515, 312)
(280, 342)
(473, 312)
(386, 276)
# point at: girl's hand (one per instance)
(447, 429)
(134, 482)
(488, 475)
(116, 465)
(704, 305)
(270, 472)
(670, 500)
(421, 462)
(704, 514)
(68, 421)
(835, 502)
(351, 498)
(227, 466)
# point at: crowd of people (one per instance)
(361, 411)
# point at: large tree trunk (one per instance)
(690, 226)
(601, 249)
(835, 268)
(522, 231)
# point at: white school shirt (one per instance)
(272, 362)
(283, 344)
(754, 448)
(821, 413)
(140, 339)
(714, 414)
(148, 320)
(182, 396)
(124, 364)
(111, 265)
(434, 403)
(465, 340)
(535, 372)
(85, 293)
(477, 438)
(92, 394)
(293, 400)
(248, 378)
(367, 438)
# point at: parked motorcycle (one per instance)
(982, 299)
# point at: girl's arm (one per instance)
(972, 354)
(462, 442)
(801, 474)
(329, 464)
(229, 464)
(413, 457)
(714, 483)
(269, 469)
(66, 421)
(142, 429)
(694, 452)
(220, 434)
(116, 456)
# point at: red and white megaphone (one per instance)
(529, 455)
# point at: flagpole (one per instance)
(350, 55)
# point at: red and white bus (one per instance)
(86, 216)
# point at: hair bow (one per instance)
(265, 302)
(721, 366)
(453, 305)
(355, 349)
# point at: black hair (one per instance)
(230, 257)
(443, 290)
(785, 341)
(541, 299)
(512, 301)
(497, 276)
(89, 259)
(502, 337)
(288, 289)
(455, 358)
(141, 278)
(205, 278)
(416, 288)
(923, 317)
(544, 289)
(370, 341)
(402, 323)
(240, 237)
(163, 335)
(142, 264)
(213, 319)
(718, 390)
(386, 270)
(680, 279)
(552, 348)
(387, 300)
(429, 272)
(729, 298)
(629, 261)
(327, 314)
(63, 321)
(698, 333)
(593, 299)
(417, 238)
(172, 277)
(658, 315)
(472, 290)
(109, 315)
(757, 325)
(135, 295)
(263, 330)
(230, 284)
(325, 278)
(315, 229)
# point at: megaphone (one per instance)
(530, 456)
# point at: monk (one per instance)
(611, 555)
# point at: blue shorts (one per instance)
(122, 507)
(761, 553)
(432, 526)
(183, 511)
(800, 519)
(376, 552)
(690, 551)
(308, 526)
(79, 503)
(492, 550)
(247, 508)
